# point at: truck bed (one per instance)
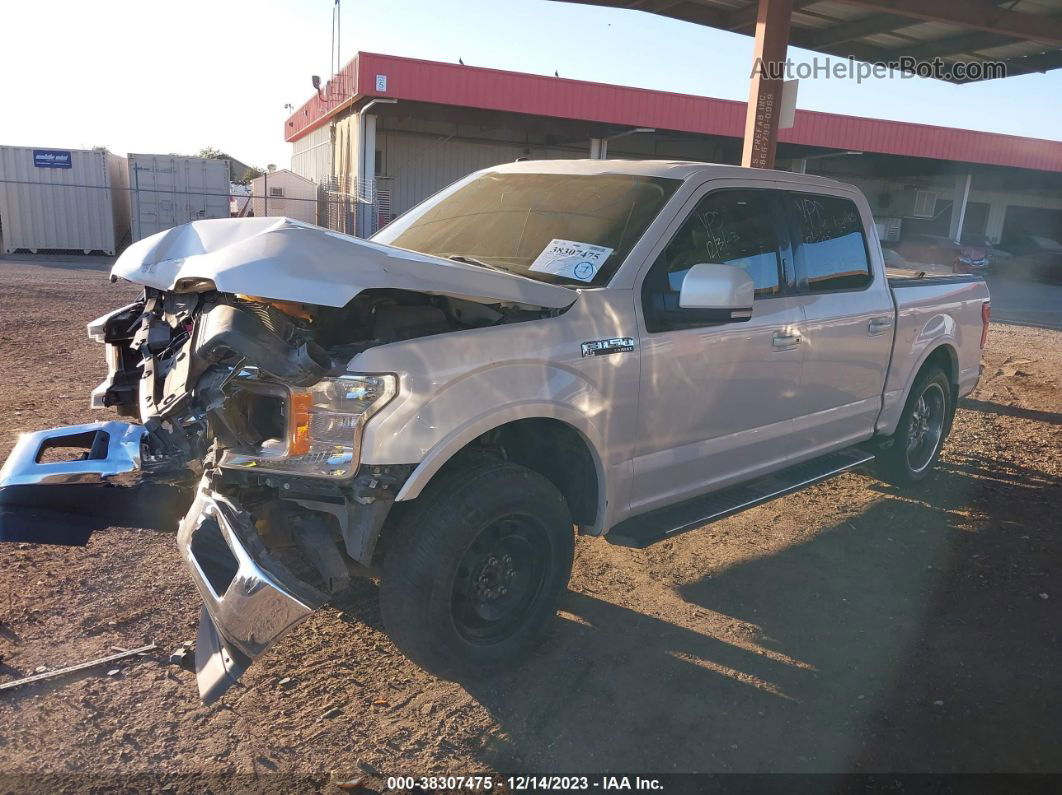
(905, 278)
(932, 311)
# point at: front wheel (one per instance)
(474, 569)
(921, 432)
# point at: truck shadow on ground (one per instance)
(875, 646)
(989, 407)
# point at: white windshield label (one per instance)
(580, 261)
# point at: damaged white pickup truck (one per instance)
(630, 348)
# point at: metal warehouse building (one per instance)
(387, 131)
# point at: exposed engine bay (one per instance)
(196, 367)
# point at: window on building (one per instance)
(278, 192)
(830, 248)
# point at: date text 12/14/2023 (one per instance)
(525, 783)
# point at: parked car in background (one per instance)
(1035, 257)
(942, 250)
(997, 257)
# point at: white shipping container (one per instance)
(169, 190)
(62, 199)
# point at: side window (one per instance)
(727, 227)
(830, 246)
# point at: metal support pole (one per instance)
(958, 204)
(765, 85)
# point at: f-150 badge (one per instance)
(606, 347)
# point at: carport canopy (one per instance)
(933, 38)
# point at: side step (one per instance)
(641, 531)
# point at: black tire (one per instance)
(474, 569)
(912, 452)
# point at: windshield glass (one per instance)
(562, 228)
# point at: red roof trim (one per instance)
(417, 80)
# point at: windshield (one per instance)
(562, 228)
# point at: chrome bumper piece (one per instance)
(249, 600)
(65, 502)
(112, 450)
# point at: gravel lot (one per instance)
(849, 627)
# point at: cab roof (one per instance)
(670, 169)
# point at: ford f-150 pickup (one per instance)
(625, 349)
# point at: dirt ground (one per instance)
(850, 627)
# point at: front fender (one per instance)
(458, 439)
(435, 421)
(456, 387)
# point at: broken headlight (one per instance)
(322, 428)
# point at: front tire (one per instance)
(920, 434)
(475, 568)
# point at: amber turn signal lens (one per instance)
(289, 308)
(299, 425)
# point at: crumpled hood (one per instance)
(289, 260)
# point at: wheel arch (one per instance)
(523, 434)
(944, 355)
(946, 358)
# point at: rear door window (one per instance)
(830, 248)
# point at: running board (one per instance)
(641, 531)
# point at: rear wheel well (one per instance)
(944, 357)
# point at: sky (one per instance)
(159, 77)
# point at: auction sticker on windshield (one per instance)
(571, 259)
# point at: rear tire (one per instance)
(920, 434)
(474, 570)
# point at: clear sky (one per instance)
(157, 77)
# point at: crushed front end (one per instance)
(244, 417)
(250, 427)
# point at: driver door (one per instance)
(717, 400)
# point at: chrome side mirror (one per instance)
(721, 289)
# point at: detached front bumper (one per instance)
(249, 599)
(64, 502)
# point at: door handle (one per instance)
(783, 342)
(878, 324)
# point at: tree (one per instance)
(239, 172)
(213, 153)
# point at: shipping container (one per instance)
(169, 190)
(62, 200)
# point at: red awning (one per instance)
(415, 80)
